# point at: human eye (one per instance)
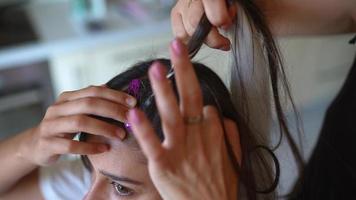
(122, 190)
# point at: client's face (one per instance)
(120, 173)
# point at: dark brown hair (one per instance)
(251, 31)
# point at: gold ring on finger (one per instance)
(193, 120)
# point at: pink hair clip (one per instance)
(134, 90)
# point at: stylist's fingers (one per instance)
(213, 131)
(80, 123)
(233, 11)
(145, 135)
(89, 106)
(212, 123)
(99, 92)
(178, 28)
(191, 21)
(192, 17)
(190, 95)
(217, 41)
(186, 15)
(63, 146)
(233, 137)
(217, 12)
(167, 104)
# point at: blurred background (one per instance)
(51, 46)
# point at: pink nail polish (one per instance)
(177, 47)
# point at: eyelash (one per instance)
(127, 191)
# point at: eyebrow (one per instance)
(120, 178)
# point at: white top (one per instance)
(67, 180)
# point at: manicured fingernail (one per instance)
(103, 148)
(131, 102)
(157, 71)
(177, 47)
(134, 117)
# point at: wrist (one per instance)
(25, 151)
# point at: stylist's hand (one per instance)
(186, 14)
(68, 116)
(192, 162)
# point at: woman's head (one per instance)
(125, 161)
(135, 82)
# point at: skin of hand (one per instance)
(70, 115)
(285, 18)
(192, 162)
(43, 145)
(186, 14)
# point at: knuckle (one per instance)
(94, 90)
(88, 102)
(64, 94)
(122, 97)
(78, 122)
(220, 20)
(174, 12)
(68, 147)
(211, 116)
(42, 145)
(181, 34)
(173, 125)
(54, 108)
(193, 97)
(211, 110)
(193, 22)
(119, 112)
(44, 128)
(50, 110)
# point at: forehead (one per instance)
(122, 154)
(122, 160)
